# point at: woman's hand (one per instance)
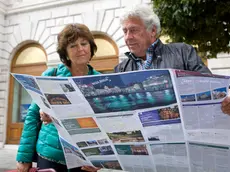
(23, 167)
(45, 117)
(90, 168)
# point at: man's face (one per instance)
(137, 38)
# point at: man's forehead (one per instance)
(132, 23)
(129, 26)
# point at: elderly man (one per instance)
(141, 27)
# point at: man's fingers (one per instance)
(226, 101)
(226, 110)
(90, 168)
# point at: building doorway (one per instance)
(30, 59)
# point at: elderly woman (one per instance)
(76, 47)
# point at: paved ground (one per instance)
(8, 155)
(7, 159)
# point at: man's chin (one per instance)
(137, 54)
(133, 51)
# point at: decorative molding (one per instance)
(2, 11)
(3, 7)
(40, 5)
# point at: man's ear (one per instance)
(154, 31)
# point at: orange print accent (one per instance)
(87, 122)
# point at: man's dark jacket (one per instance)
(173, 56)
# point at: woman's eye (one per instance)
(72, 46)
(84, 43)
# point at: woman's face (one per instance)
(79, 51)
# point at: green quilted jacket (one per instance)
(47, 145)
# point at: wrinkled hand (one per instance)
(45, 118)
(23, 167)
(90, 168)
(225, 105)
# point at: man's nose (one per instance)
(128, 35)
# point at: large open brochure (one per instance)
(143, 121)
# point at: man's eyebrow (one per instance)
(132, 27)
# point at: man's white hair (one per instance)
(146, 14)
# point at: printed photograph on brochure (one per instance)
(57, 99)
(89, 143)
(80, 126)
(188, 98)
(219, 93)
(81, 144)
(131, 149)
(127, 92)
(92, 142)
(162, 116)
(162, 124)
(107, 164)
(28, 82)
(204, 96)
(67, 87)
(126, 136)
(98, 151)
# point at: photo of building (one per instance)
(131, 150)
(128, 92)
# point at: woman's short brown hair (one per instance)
(69, 35)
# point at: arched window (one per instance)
(106, 57)
(30, 59)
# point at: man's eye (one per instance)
(133, 30)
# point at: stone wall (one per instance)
(4, 71)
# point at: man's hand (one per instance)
(225, 105)
(23, 167)
(90, 168)
(45, 118)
